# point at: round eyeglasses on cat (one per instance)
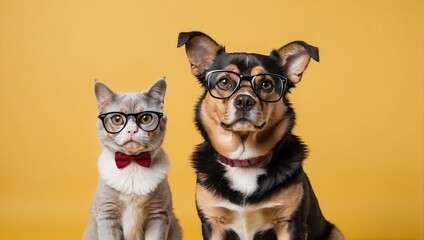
(114, 122)
(223, 84)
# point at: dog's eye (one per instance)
(145, 119)
(267, 86)
(224, 84)
(117, 120)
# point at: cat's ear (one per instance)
(103, 93)
(158, 89)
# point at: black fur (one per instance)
(265, 235)
(284, 169)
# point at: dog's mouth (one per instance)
(242, 124)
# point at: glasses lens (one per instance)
(114, 122)
(148, 121)
(268, 87)
(222, 84)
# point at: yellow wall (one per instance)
(360, 109)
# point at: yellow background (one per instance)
(360, 109)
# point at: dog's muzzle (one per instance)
(244, 102)
(244, 114)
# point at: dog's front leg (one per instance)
(206, 230)
(218, 232)
(214, 232)
(157, 226)
(291, 230)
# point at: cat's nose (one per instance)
(132, 130)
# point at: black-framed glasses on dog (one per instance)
(223, 84)
(114, 122)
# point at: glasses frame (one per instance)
(251, 79)
(102, 117)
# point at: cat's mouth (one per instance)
(131, 144)
(133, 147)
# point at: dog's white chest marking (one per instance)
(244, 180)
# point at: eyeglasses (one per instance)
(223, 84)
(114, 122)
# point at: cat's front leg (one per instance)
(157, 226)
(108, 227)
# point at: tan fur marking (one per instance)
(336, 235)
(280, 215)
(257, 70)
(232, 68)
(274, 213)
(211, 112)
(218, 217)
(261, 141)
(274, 129)
(283, 232)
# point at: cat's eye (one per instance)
(117, 119)
(115, 122)
(145, 118)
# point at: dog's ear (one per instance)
(201, 50)
(294, 58)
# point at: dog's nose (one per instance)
(244, 102)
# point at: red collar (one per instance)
(245, 162)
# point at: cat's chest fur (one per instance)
(132, 215)
(133, 179)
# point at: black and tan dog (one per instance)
(250, 181)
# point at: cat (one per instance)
(133, 199)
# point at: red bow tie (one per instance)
(143, 159)
(243, 163)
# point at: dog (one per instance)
(250, 180)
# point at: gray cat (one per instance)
(133, 199)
